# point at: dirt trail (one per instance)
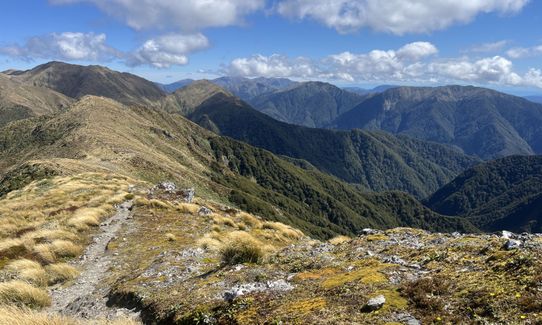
(87, 297)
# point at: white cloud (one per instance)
(417, 50)
(414, 62)
(524, 52)
(488, 47)
(271, 66)
(168, 50)
(64, 46)
(186, 15)
(394, 16)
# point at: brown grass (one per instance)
(28, 270)
(24, 316)
(21, 293)
(242, 247)
(60, 272)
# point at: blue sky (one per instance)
(494, 43)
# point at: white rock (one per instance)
(375, 303)
(512, 244)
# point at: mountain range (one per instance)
(322, 181)
(122, 201)
(479, 121)
(370, 159)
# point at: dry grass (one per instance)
(24, 316)
(65, 248)
(60, 272)
(339, 240)
(171, 237)
(188, 208)
(45, 222)
(284, 232)
(28, 270)
(250, 220)
(241, 247)
(21, 293)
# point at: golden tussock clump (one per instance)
(28, 270)
(250, 220)
(171, 237)
(21, 293)
(339, 240)
(241, 247)
(285, 231)
(25, 316)
(188, 208)
(60, 272)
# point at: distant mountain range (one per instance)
(501, 194)
(480, 121)
(536, 99)
(375, 160)
(322, 181)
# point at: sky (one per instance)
(490, 43)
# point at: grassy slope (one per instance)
(102, 135)
(19, 101)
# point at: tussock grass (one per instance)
(65, 248)
(188, 208)
(23, 316)
(60, 272)
(250, 220)
(339, 240)
(21, 293)
(171, 237)
(28, 270)
(241, 247)
(284, 232)
(45, 222)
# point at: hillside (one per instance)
(102, 135)
(247, 89)
(501, 194)
(76, 81)
(312, 104)
(20, 101)
(480, 121)
(185, 100)
(377, 161)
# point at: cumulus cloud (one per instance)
(168, 50)
(394, 16)
(186, 15)
(414, 62)
(524, 52)
(271, 66)
(64, 46)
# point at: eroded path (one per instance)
(87, 297)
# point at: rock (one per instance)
(168, 187)
(204, 211)
(507, 234)
(374, 304)
(243, 289)
(369, 231)
(512, 244)
(188, 194)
